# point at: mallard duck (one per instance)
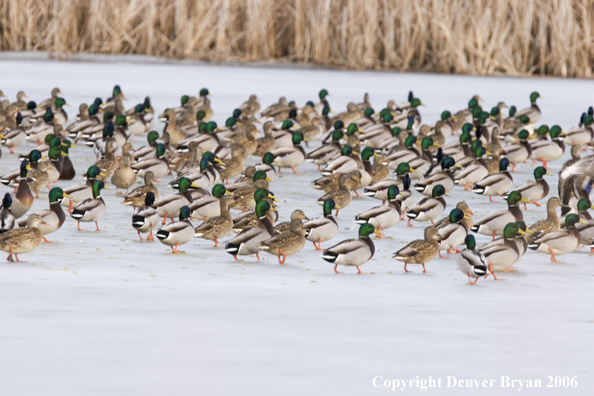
(209, 206)
(428, 208)
(537, 190)
(575, 157)
(22, 199)
(286, 225)
(560, 242)
(234, 166)
(532, 112)
(384, 216)
(248, 241)
(496, 184)
(342, 197)
(109, 164)
(380, 190)
(159, 166)
(146, 218)
(22, 240)
(249, 218)
(286, 243)
(495, 222)
(175, 134)
(67, 172)
(14, 135)
(463, 206)
(179, 233)
(171, 204)
(267, 166)
(136, 197)
(445, 178)
(20, 102)
(471, 261)
(54, 217)
(148, 151)
(244, 197)
(474, 172)
(55, 94)
(42, 128)
(219, 226)
(408, 154)
(322, 229)
(549, 150)
(265, 143)
(420, 251)
(352, 252)
(38, 178)
(7, 220)
(326, 152)
(290, 157)
(330, 183)
(550, 224)
(251, 106)
(80, 192)
(581, 135)
(422, 163)
(90, 209)
(520, 152)
(453, 233)
(501, 254)
(124, 176)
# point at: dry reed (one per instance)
(515, 37)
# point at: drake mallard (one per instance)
(341, 197)
(67, 172)
(537, 190)
(501, 254)
(286, 225)
(290, 157)
(471, 261)
(581, 135)
(22, 240)
(7, 220)
(146, 218)
(22, 198)
(244, 197)
(420, 251)
(324, 228)
(159, 166)
(326, 152)
(54, 217)
(549, 150)
(124, 176)
(384, 216)
(453, 233)
(352, 252)
(219, 226)
(248, 241)
(445, 178)
(428, 208)
(562, 241)
(463, 206)
(90, 209)
(495, 222)
(178, 233)
(532, 112)
(496, 184)
(249, 218)
(518, 153)
(148, 151)
(208, 206)
(79, 192)
(286, 243)
(170, 205)
(474, 172)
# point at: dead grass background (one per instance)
(514, 37)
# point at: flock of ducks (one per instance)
(391, 156)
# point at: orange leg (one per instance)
(12, 149)
(491, 198)
(279, 169)
(258, 256)
(319, 168)
(553, 259)
(510, 269)
(46, 241)
(140, 236)
(117, 191)
(535, 203)
(544, 162)
(440, 256)
(98, 229)
(359, 269)
(37, 194)
(432, 222)
(425, 271)
(336, 212)
(467, 187)
(150, 235)
(164, 220)
(235, 257)
(493, 236)
(319, 245)
(525, 207)
(284, 256)
(216, 241)
(469, 281)
(406, 270)
(174, 249)
(357, 194)
(48, 187)
(409, 223)
(492, 273)
(294, 171)
(70, 207)
(380, 236)
(335, 270)
(9, 258)
(78, 227)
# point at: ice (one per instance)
(105, 314)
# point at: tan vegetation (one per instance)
(516, 37)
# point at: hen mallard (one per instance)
(562, 241)
(500, 256)
(471, 261)
(550, 224)
(286, 225)
(54, 217)
(495, 222)
(219, 226)
(428, 208)
(496, 184)
(109, 164)
(7, 220)
(136, 197)
(176, 135)
(384, 216)
(454, 232)
(22, 240)
(90, 209)
(248, 241)
(124, 176)
(537, 190)
(352, 252)
(234, 166)
(286, 243)
(341, 197)
(330, 183)
(244, 197)
(420, 251)
(178, 233)
(146, 218)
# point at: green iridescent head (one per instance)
(367, 153)
(365, 230)
(514, 198)
(328, 206)
(219, 190)
(56, 194)
(393, 192)
(571, 220)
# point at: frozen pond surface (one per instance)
(105, 314)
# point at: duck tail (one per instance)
(478, 189)
(534, 246)
(77, 214)
(329, 256)
(137, 221)
(412, 214)
(232, 248)
(162, 234)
